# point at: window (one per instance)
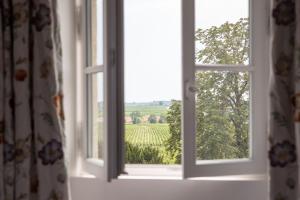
(206, 71)
(240, 107)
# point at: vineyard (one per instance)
(145, 143)
(147, 134)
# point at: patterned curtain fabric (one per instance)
(285, 100)
(31, 152)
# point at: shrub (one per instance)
(142, 154)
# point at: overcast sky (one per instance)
(153, 40)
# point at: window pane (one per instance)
(97, 43)
(222, 115)
(152, 81)
(97, 116)
(222, 32)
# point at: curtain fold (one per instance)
(32, 163)
(285, 100)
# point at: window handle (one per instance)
(190, 90)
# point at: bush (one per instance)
(142, 154)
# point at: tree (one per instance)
(223, 97)
(162, 119)
(222, 115)
(173, 143)
(136, 117)
(152, 119)
(226, 44)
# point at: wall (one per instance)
(67, 22)
(94, 189)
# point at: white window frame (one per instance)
(258, 71)
(114, 94)
(108, 167)
(90, 165)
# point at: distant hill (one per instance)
(153, 103)
(148, 108)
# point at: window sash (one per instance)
(94, 69)
(90, 165)
(258, 72)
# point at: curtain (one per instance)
(285, 100)
(31, 115)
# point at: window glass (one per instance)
(152, 81)
(96, 131)
(222, 32)
(222, 115)
(97, 27)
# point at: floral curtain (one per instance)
(31, 116)
(285, 100)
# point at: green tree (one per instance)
(223, 97)
(173, 143)
(222, 115)
(136, 117)
(152, 119)
(162, 119)
(226, 44)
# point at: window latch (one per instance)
(112, 55)
(190, 90)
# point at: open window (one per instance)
(175, 84)
(224, 80)
(99, 45)
(93, 87)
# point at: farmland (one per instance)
(145, 143)
(146, 134)
(147, 108)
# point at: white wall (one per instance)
(67, 22)
(95, 189)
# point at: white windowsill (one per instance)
(171, 172)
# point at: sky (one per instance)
(153, 42)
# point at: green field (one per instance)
(145, 143)
(146, 109)
(146, 134)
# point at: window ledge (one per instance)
(165, 171)
(170, 172)
(239, 178)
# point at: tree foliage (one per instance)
(136, 117)
(173, 143)
(225, 44)
(222, 104)
(222, 115)
(222, 98)
(162, 119)
(152, 119)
